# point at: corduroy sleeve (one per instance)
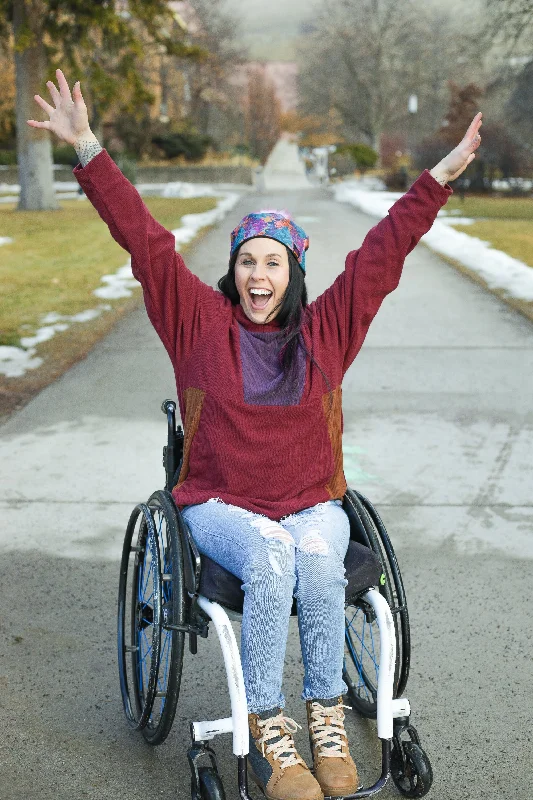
(172, 294)
(349, 305)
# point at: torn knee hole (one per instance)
(271, 530)
(313, 544)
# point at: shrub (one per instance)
(128, 166)
(363, 155)
(397, 180)
(188, 143)
(65, 154)
(8, 158)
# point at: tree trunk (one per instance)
(34, 149)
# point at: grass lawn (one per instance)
(504, 222)
(492, 207)
(57, 258)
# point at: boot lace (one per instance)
(328, 738)
(284, 749)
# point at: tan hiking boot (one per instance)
(274, 763)
(333, 766)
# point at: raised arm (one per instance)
(172, 293)
(348, 307)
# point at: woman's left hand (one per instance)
(457, 161)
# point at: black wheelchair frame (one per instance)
(164, 587)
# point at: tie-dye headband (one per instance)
(273, 225)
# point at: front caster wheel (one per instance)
(210, 786)
(411, 770)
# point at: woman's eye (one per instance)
(273, 264)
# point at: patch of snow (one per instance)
(14, 361)
(59, 186)
(121, 283)
(522, 184)
(498, 270)
(458, 221)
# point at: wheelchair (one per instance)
(168, 592)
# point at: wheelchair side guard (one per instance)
(191, 558)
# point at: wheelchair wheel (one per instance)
(411, 770)
(361, 658)
(399, 602)
(210, 787)
(172, 592)
(139, 617)
(361, 662)
(151, 598)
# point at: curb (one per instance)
(522, 306)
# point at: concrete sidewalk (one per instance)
(284, 169)
(438, 433)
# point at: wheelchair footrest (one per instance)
(204, 731)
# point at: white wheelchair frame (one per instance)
(388, 708)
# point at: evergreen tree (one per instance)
(101, 43)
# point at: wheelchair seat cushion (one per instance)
(363, 570)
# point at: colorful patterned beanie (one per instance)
(272, 225)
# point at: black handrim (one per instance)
(137, 716)
(173, 614)
(146, 619)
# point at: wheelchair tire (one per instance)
(139, 617)
(171, 588)
(361, 662)
(412, 774)
(210, 787)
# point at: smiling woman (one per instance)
(261, 278)
(263, 427)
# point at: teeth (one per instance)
(260, 291)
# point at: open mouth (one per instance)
(260, 298)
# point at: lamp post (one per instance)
(412, 108)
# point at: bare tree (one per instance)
(364, 59)
(212, 105)
(263, 114)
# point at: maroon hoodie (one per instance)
(256, 436)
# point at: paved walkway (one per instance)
(284, 168)
(439, 433)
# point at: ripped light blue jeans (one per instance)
(300, 556)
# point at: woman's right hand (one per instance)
(68, 120)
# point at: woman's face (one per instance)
(261, 277)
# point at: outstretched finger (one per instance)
(44, 105)
(63, 85)
(76, 93)
(35, 124)
(475, 125)
(52, 88)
